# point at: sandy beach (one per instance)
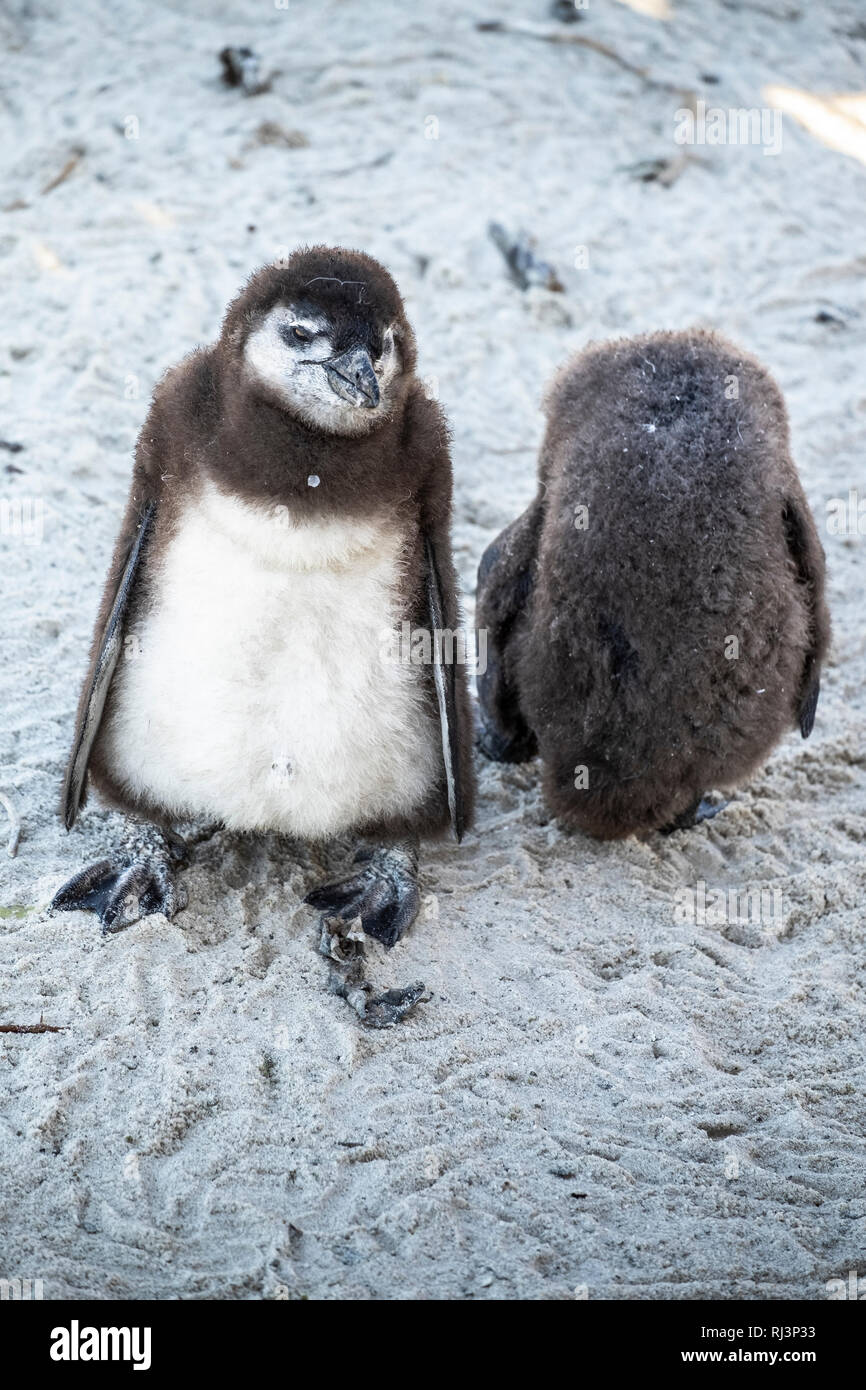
(600, 1096)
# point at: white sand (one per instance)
(594, 1095)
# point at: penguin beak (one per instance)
(352, 377)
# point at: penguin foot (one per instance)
(701, 810)
(121, 894)
(345, 953)
(383, 894)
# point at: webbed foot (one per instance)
(121, 894)
(383, 893)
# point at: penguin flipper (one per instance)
(504, 591)
(436, 602)
(444, 676)
(809, 704)
(101, 671)
(807, 555)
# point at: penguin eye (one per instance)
(301, 335)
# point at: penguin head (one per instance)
(324, 336)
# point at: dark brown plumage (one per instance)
(659, 643)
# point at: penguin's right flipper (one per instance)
(807, 555)
(505, 583)
(121, 894)
(103, 664)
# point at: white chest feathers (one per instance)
(259, 687)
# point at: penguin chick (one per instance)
(656, 618)
(288, 519)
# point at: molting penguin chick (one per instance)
(656, 618)
(289, 514)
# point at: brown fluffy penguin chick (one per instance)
(289, 516)
(656, 619)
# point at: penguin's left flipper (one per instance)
(383, 893)
(504, 592)
(425, 441)
(119, 590)
(121, 894)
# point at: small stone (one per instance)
(313, 480)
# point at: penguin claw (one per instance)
(383, 894)
(121, 894)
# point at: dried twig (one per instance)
(40, 1027)
(71, 164)
(527, 29)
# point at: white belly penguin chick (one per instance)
(289, 515)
